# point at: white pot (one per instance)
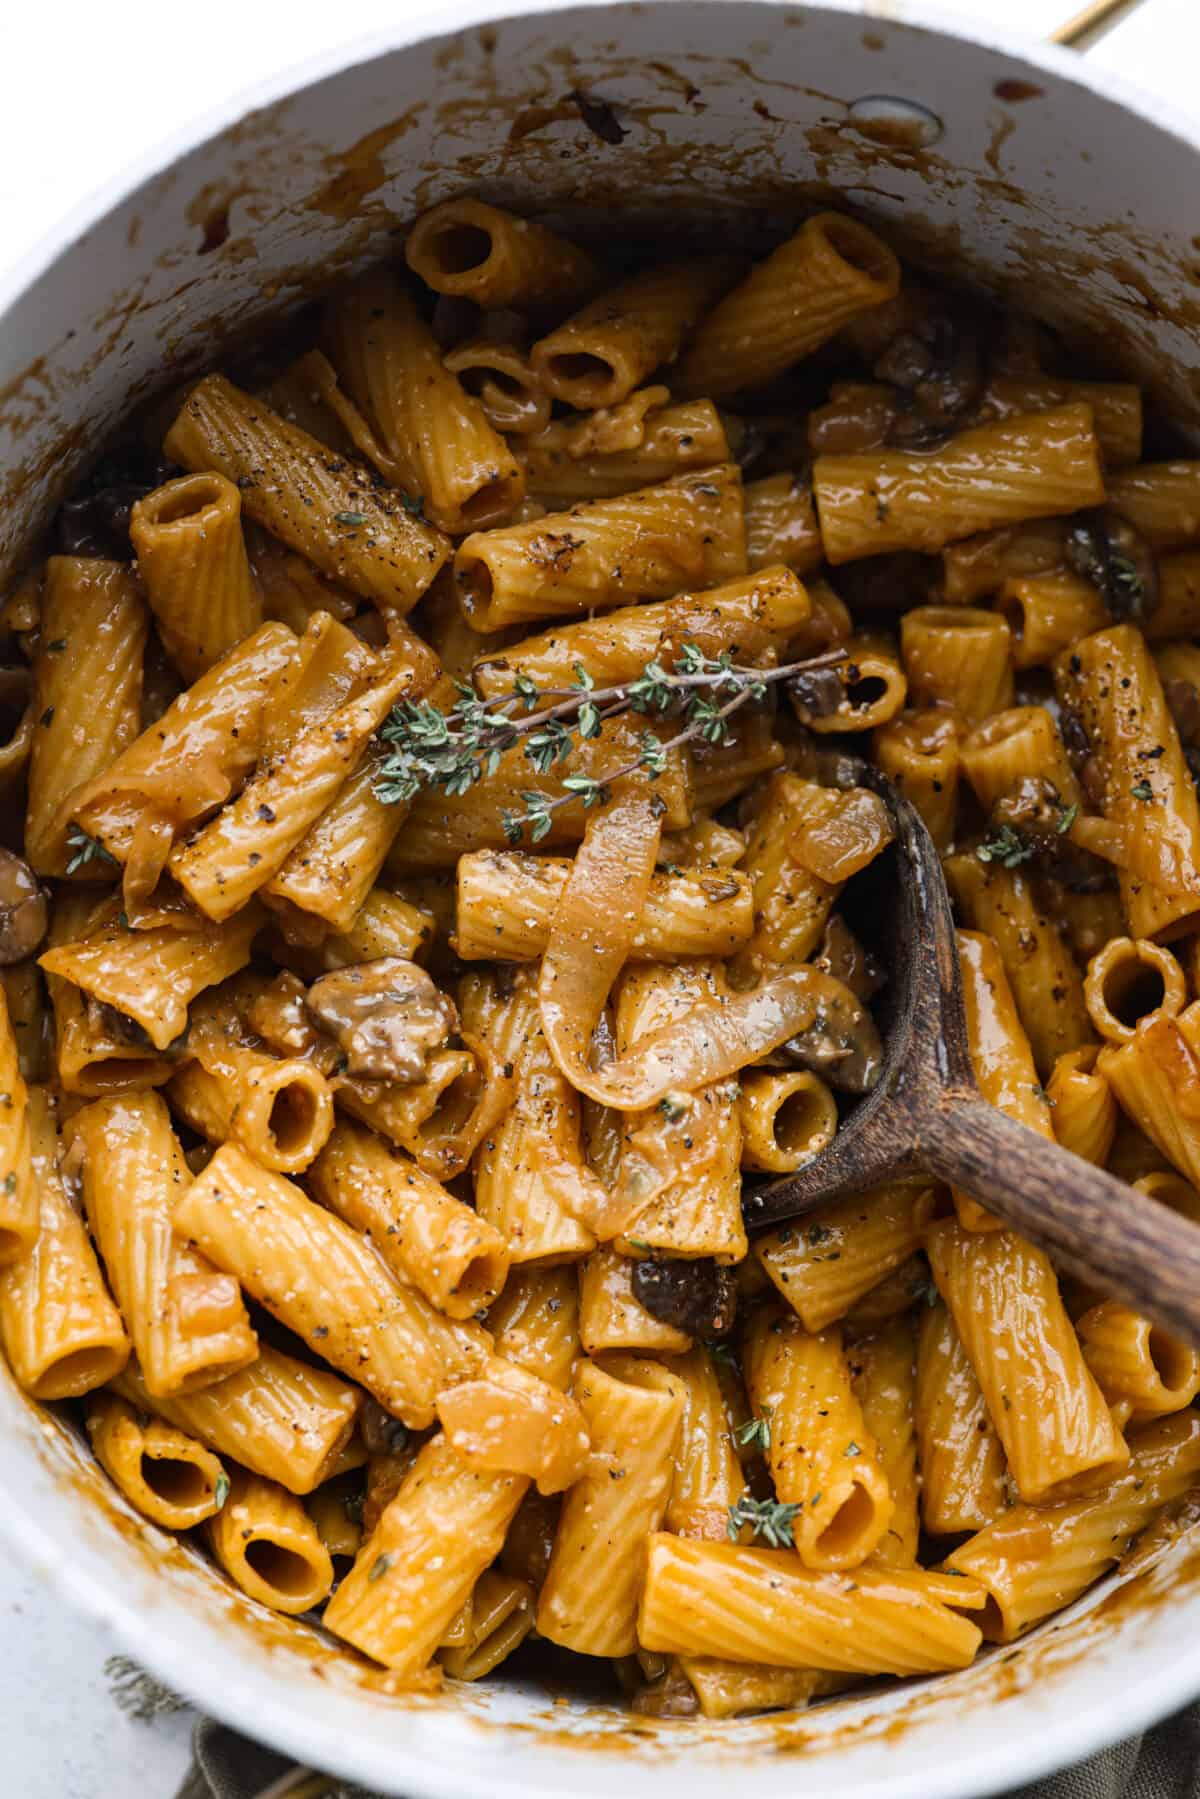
(1072, 200)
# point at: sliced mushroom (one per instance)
(24, 910)
(841, 1045)
(115, 1026)
(381, 1433)
(1183, 699)
(95, 520)
(1104, 549)
(1035, 812)
(843, 956)
(670, 1696)
(697, 1297)
(817, 692)
(386, 1017)
(940, 369)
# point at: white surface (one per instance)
(65, 1737)
(127, 76)
(122, 78)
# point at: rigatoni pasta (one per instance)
(442, 904)
(481, 252)
(324, 507)
(685, 532)
(435, 437)
(192, 558)
(600, 355)
(186, 1319)
(61, 1332)
(1039, 464)
(93, 638)
(321, 1278)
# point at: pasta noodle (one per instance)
(163, 1473)
(439, 901)
(601, 354)
(466, 247)
(685, 532)
(319, 1277)
(1004, 1299)
(186, 1319)
(435, 436)
(789, 305)
(61, 1332)
(280, 1418)
(192, 558)
(593, 456)
(322, 506)
(93, 630)
(1038, 464)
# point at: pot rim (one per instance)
(259, 1708)
(431, 21)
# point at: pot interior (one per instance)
(719, 122)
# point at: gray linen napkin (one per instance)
(1162, 1764)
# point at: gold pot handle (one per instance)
(1093, 23)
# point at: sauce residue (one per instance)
(1014, 90)
(360, 171)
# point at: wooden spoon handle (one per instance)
(1108, 1234)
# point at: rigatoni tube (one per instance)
(763, 1605)
(789, 305)
(266, 1542)
(822, 1458)
(19, 1206)
(600, 354)
(166, 1475)
(187, 536)
(505, 902)
(93, 635)
(1039, 464)
(279, 1417)
(589, 1598)
(436, 439)
(326, 1283)
(324, 506)
(1035, 1559)
(60, 1330)
(1109, 679)
(446, 1524)
(187, 1320)
(685, 533)
(497, 258)
(425, 1235)
(1004, 1299)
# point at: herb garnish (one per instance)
(754, 1434)
(86, 849)
(1142, 790)
(769, 1519)
(455, 749)
(1007, 847)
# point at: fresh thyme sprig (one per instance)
(755, 1433)
(1007, 847)
(455, 749)
(86, 848)
(769, 1519)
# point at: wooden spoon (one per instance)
(926, 1115)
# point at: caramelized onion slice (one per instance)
(590, 939)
